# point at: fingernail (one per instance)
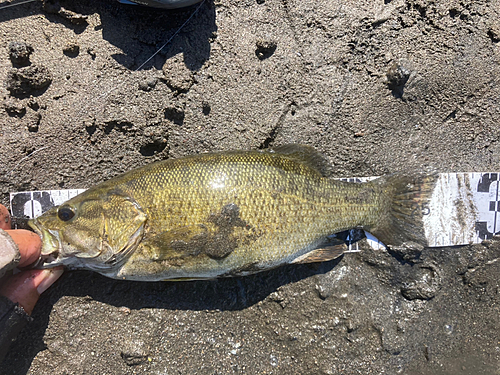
(48, 277)
(4, 218)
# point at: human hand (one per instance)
(25, 287)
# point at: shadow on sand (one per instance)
(221, 294)
(137, 31)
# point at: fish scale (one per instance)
(231, 213)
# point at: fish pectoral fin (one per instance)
(323, 254)
(191, 241)
(177, 243)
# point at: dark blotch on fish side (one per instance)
(227, 218)
(179, 245)
(223, 242)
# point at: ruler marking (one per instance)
(496, 210)
(447, 233)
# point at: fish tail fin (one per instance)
(405, 202)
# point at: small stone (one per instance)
(206, 108)
(144, 86)
(134, 357)
(409, 251)
(177, 76)
(34, 122)
(148, 85)
(323, 293)
(33, 104)
(71, 49)
(14, 107)
(175, 114)
(425, 284)
(265, 48)
(92, 53)
(152, 82)
(494, 32)
(397, 76)
(56, 8)
(124, 310)
(19, 53)
(26, 80)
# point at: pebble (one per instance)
(148, 85)
(494, 32)
(177, 76)
(34, 121)
(26, 80)
(206, 107)
(14, 107)
(265, 48)
(426, 284)
(397, 76)
(19, 53)
(71, 49)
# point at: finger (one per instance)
(25, 287)
(29, 243)
(4, 218)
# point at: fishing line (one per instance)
(16, 4)
(172, 37)
(25, 158)
(106, 94)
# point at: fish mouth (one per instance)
(51, 246)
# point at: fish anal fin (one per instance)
(304, 154)
(323, 254)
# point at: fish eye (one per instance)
(65, 213)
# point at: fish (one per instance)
(227, 214)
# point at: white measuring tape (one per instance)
(464, 208)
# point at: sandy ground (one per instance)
(375, 85)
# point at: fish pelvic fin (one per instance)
(405, 202)
(323, 254)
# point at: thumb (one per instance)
(25, 287)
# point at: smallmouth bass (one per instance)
(225, 214)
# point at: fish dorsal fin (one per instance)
(323, 254)
(304, 154)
